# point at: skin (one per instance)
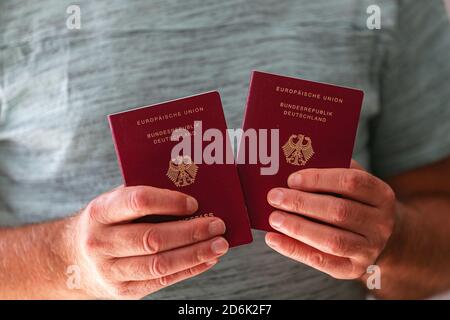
(115, 259)
(400, 224)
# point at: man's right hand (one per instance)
(126, 260)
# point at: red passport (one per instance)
(143, 146)
(317, 125)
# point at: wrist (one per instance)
(65, 251)
(65, 239)
(392, 250)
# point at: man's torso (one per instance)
(58, 85)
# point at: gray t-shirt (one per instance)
(57, 86)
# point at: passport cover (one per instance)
(143, 146)
(317, 125)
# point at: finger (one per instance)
(351, 183)
(337, 267)
(166, 263)
(136, 289)
(327, 239)
(144, 239)
(129, 203)
(344, 213)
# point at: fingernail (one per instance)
(216, 227)
(211, 263)
(276, 196)
(295, 179)
(219, 246)
(271, 241)
(191, 204)
(276, 219)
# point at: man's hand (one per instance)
(131, 260)
(335, 220)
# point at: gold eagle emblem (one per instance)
(182, 171)
(298, 149)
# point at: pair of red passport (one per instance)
(289, 124)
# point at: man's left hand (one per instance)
(335, 220)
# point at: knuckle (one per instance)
(358, 271)
(296, 228)
(316, 259)
(390, 227)
(294, 251)
(137, 200)
(314, 178)
(342, 212)
(179, 200)
(152, 241)
(196, 234)
(337, 245)
(157, 266)
(190, 273)
(131, 291)
(95, 210)
(163, 281)
(91, 243)
(201, 255)
(111, 270)
(375, 244)
(351, 181)
(372, 254)
(385, 231)
(389, 194)
(122, 290)
(298, 203)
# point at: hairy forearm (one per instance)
(416, 261)
(34, 260)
